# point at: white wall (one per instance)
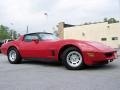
(94, 32)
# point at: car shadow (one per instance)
(56, 64)
(102, 67)
(46, 63)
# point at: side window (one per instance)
(43, 36)
(34, 37)
(103, 39)
(29, 38)
(114, 38)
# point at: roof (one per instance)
(68, 25)
(38, 33)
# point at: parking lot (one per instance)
(51, 76)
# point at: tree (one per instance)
(86, 23)
(110, 20)
(105, 20)
(56, 33)
(18, 35)
(14, 34)
(4, 34)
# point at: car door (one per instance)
(31, 48)
(28, 46)
(45, 49)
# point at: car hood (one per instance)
(96, 45)
(100, 46)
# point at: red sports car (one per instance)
(74, 54)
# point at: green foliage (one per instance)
(110, 20)
(6, 33)
(105, 20)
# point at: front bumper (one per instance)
(91, 58)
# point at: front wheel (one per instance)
(14, 56)
(72, 59)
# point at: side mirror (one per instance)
(35, 40)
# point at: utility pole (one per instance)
(27, 29)
(46, 22)
(12, 31)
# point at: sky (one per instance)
(44, 15)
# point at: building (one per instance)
(108, 34)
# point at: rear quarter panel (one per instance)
(6, 46)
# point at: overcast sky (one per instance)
(17, 14)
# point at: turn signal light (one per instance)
(91, 54)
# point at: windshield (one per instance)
(48, 36)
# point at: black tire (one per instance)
(79, 62)
(11, 52)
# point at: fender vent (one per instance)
(53, 52)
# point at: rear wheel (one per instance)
(72, 59)
(14, 56)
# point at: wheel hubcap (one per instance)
(12, 55)
(74, 58)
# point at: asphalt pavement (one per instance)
(32, 75)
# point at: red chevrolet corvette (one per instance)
(74, 54)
